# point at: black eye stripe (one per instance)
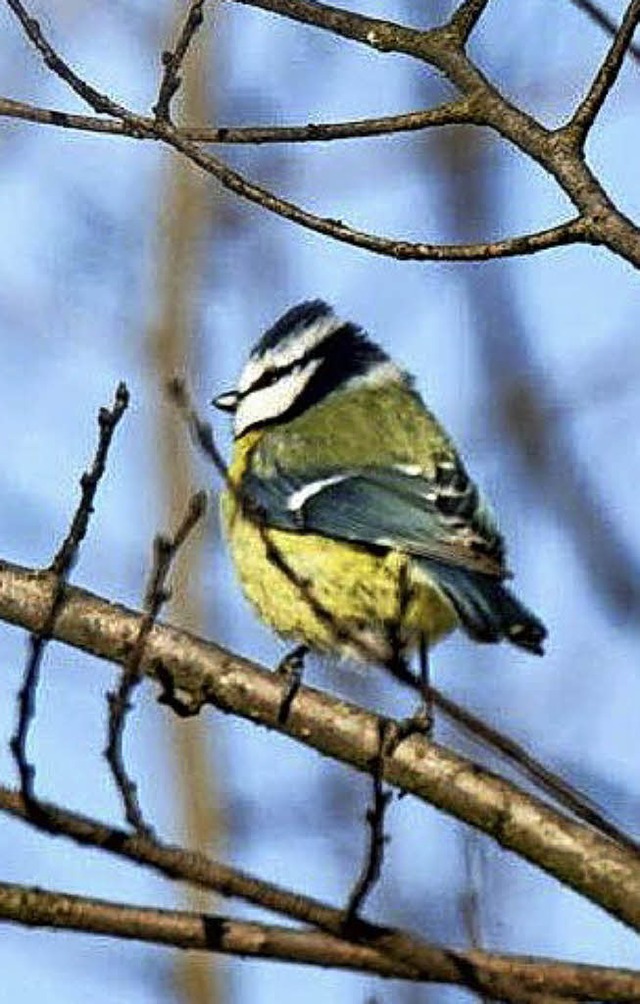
(345, 349)
(269, 378)
(344, 353)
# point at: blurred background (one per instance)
(119, 262)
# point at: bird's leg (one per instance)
(425, 680)
(421, 721)
(290, 668)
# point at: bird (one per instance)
(353, 525)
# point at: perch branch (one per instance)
(592, 864)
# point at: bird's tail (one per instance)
(487, 609)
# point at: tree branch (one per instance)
(452, 113)
(588, 109)
(602, 19)
(60, 568)
(555, 151)
(570, 232)
(465, 18)
(172, 60)
(486, 972)
(208, 674)
(374, 858)
(599, 220)
(33, 907)
(119, 701)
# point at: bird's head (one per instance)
(308, 354)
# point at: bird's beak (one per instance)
(227, 401)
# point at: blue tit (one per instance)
(352, 522)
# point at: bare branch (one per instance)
(465, 18)
(480, 970)
(95, 99)
(201, 432)
(452, 113)
(551, 783)
(588, 109)
(60, 568)
(35, 907)
(570, 232)
(375, 817)
(208, 674)
(119, 701)
(172, 60)
(601, 18)
(599, 220)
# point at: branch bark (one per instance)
(507, 976)
(202, 673)
(559, 151)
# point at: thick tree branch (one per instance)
(33, 907)
(498, 975)
(204, 673)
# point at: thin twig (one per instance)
(603, 20)
(547, 781)
(165, 550)
(572, 231)
(457, 112)
(61, 567)
(201, 431)
(478, 970)
(100, 102)
(172, 60)
(588, 109)
(375, 817)
(465, 18)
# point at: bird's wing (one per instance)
(440, 516)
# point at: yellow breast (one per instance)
(332, 595)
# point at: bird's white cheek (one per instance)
(267, 403)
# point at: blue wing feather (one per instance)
(383, 507)
(439, 521)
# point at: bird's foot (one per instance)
(291, 669)
(420, 723)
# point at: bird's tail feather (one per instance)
(487, 609)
